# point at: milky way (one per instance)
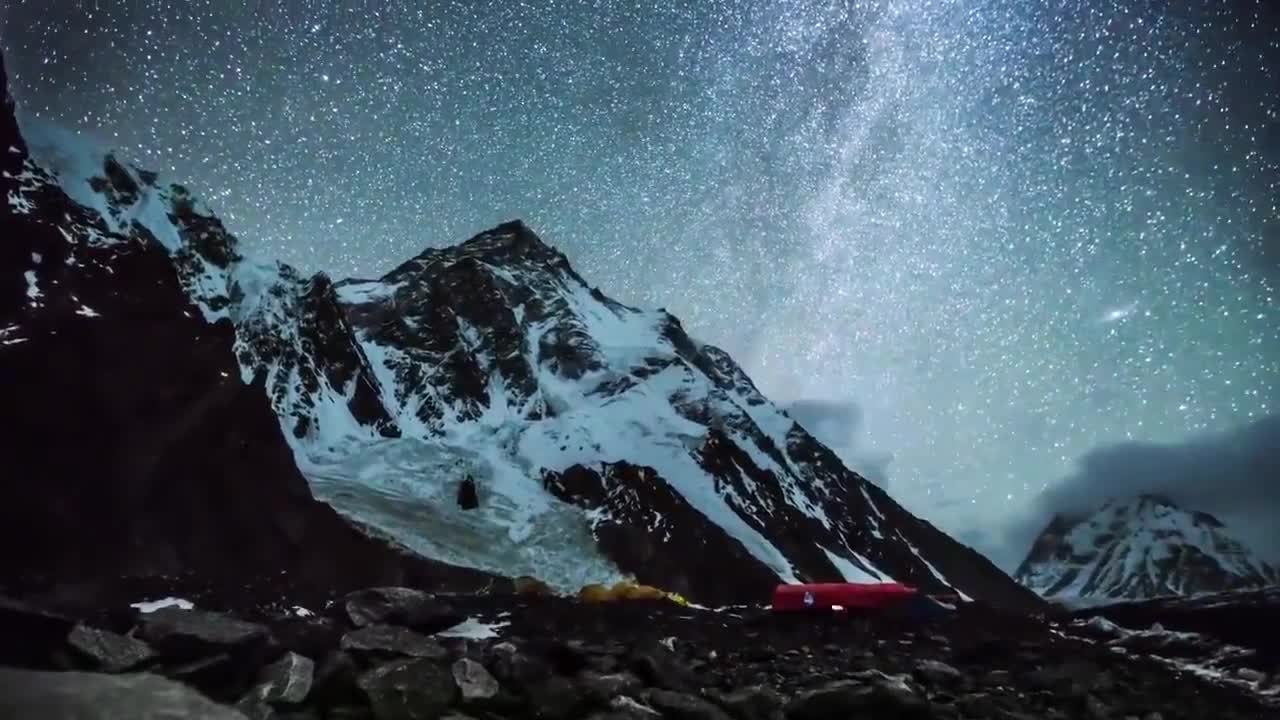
(1008, 230)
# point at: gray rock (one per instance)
(96, 696)
(660, 667)
(681, 706)
(255, 708)
(556, 698)
(870, 692)
(287, 680)
(474, 682)
(176, 630)
(109, 652)
(400, 606)
(602, 688)
(392, 639)
(335, 681)
(753, 703)
(1251, 675)
(624, 707)
(418, 689)
(939, 673)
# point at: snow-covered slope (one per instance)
(1141, 548)
(132, 446)
(605, 440)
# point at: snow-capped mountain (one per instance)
(132, 446)
(1143, 547)
(605, 441)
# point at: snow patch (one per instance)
(473, 629)
(33, 288)
(87, 311)
(149, 606)
(853, 572)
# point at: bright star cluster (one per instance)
(1010, 230)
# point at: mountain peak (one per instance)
(512, 243)
(1139, 547)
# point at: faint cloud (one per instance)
(1234, 475)
(838, 425)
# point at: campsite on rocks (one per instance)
(478, 487)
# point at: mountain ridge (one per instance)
(1139, 548)
(576, 415)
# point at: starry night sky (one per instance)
(1004, 231)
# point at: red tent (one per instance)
(825, 596)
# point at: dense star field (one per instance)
(1008, 232)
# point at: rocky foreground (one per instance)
(395, 653)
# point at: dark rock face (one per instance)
(468, 498)
(652, 531)
(140, 450)
(1137, 548)
(400, 606)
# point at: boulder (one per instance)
(468, 498)
(871, 693)
(515, 668)
(659, 667)
(108, 651)
(177, 632)
(220, 676)
(939, 673)
(286, 681)
(473, 680)
(308, 636)
(417, 689)
(625, 707)
(96, 696)
(601, 688)
(335, 681)
(753, 703)
(390, 639)
(682, 706)
(400, 606)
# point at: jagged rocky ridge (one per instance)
(132, 445)
(1143, 547)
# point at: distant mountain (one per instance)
(1139, 548)
(602, 439)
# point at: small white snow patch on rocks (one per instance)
(36, 258)
(624, 704)
(1103, 625)
(33, 289)
(20, 205)
(297, 610)
(474, 630)
(149, 606)
(87, 311)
